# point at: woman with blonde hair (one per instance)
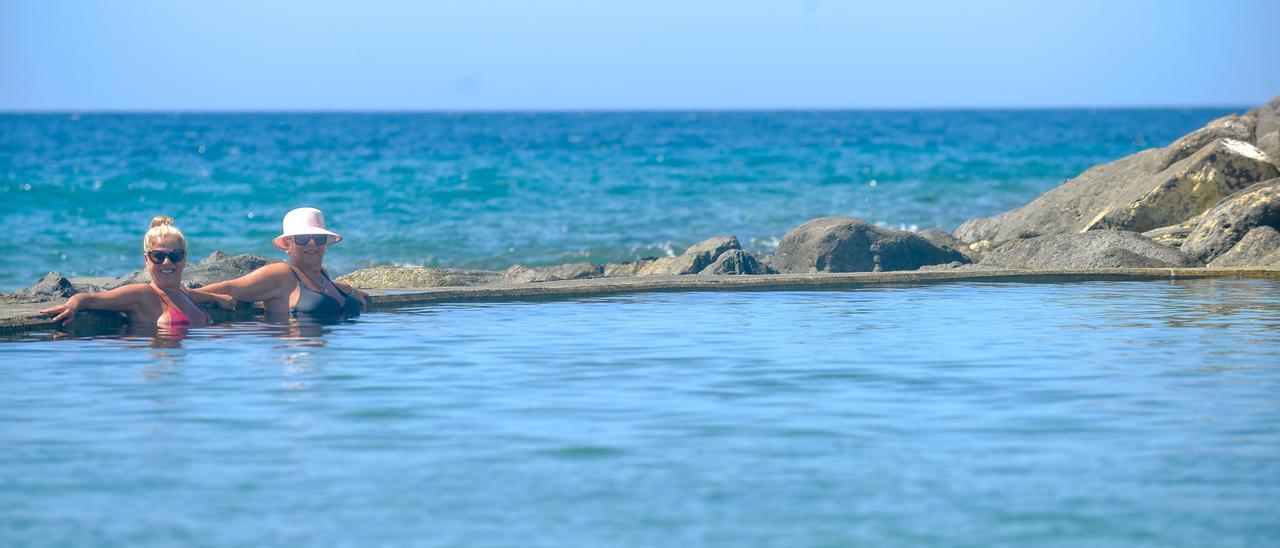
(302, 286)
(162, 302)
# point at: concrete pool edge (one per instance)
(19, 318)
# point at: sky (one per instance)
(264, 55)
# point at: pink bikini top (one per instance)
(176, 317)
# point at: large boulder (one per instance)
(736, 262)
(53, 286)
(946, 240)
(693, 260)
(1267, 131)
(415, 277)
(1144, 191)
(1088, 250)
(846, 244)
(1260, 248)
(1220, 228)
(1134, 193)
(519, 274)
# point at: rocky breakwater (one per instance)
(1199, 197)
(216, 267)
(721, 255)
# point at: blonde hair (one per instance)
(162, 228)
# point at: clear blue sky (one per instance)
(654, 54)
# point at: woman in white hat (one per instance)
(301, 286)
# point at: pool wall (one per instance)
(19, 318)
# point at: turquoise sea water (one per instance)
(492, 190)
(1082, 414)
(1104, 413)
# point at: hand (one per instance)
(64, 312)
(225, 302)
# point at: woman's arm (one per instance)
(225, 302)
(352, 290)
(269, 282)
(125, 298)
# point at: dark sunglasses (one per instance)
(319, 239)
(176, 256)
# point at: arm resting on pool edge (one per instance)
(272, 281)
(121, 299)
(223, 301)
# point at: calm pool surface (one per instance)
(1102, 413)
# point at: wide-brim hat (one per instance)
(304, 221)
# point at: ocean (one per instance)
(1103, 413)
(489, 190)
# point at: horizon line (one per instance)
(611, 110)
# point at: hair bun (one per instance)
(160, 220)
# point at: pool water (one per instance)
(1099, 413)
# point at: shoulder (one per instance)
(134, 290)
(276, 269)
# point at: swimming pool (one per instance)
(1142, 413)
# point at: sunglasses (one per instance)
(319, 239)
(176, 256)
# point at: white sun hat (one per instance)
(301, 222)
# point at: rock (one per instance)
(53, 286)
(573, 271)
(736, 262)
(414, 277)
(1173, 236)
(846, 244)
(1220, 228)
(693, 260)
(219, 267)
(1260, 248)
(947, 241)
(1140, 192)
(1094, 249)
(1233, 126)
(957, 266)
(1194, 185)
(626, 269)
(1267, 131)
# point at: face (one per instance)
(306, 250)
(167, 272)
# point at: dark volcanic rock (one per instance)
(693, 260)
(53, 286)
(1260, 248)
(573, 271)
(946, 241)
(220, 267)
(1094, 249)
(846, 244)
(1221, 227)
(736, 261)
(1148, 190)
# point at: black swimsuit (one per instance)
(314, 303)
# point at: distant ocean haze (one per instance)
(473, 190)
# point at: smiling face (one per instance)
(167, 273)
(306, 256)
